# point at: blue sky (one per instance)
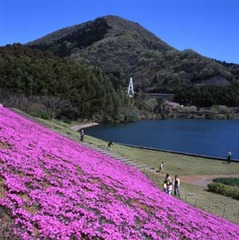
(210, 27)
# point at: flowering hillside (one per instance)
(54, 188)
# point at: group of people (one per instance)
(169, 185)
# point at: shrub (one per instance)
(229, 191)
(108, 119)
(119, 118)
(236, 194)
(133, 118)
(227, 181)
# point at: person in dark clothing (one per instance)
(176, 186)
(110, 143)
(82, 134)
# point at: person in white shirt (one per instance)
(161, 167)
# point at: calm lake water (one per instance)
(203, 137)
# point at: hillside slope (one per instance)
(124, 49)
(55, 188)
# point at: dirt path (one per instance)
(204, 180)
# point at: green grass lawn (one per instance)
(181, 165)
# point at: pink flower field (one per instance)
(55, 188)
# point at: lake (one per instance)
(204, 137)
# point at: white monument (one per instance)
(131, 88)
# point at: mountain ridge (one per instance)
(124, 49)
(116, 24)
(119, 46)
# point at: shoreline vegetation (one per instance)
(194, 172)
(170, 110)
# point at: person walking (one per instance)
(176, 186)
(229, 157)
(161, 167)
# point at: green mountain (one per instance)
(124, 49)
(83, 71)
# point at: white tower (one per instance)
(131, 88)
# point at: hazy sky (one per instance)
(210, 27)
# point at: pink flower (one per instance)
(55, 188)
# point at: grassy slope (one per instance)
(174, 164)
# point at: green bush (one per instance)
(236, 195)
(108, 119)
(119, 118)
(133, 118)
(227, 181)
(226, 190)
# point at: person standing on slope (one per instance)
(176, 186)
(161, 167)
(82, 134)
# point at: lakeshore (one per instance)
(198, 137)
(78, 127)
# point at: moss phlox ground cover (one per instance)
(56, 188)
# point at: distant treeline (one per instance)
(208, 95)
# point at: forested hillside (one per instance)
(64, 87)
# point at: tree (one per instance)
(54, 105)
(150, 104)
